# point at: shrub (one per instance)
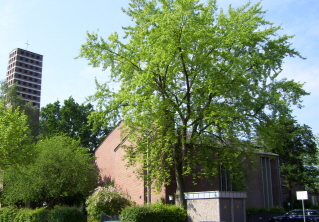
(29, 215)
(254, 210)
(154, 213)
(65, 214)
(106, 200)
(8, 214)
(61, 214)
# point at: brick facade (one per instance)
(263, 187)
(112, 166)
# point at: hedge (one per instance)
(254, 210)
(60, 214)
(154, 213)
(8, 214)
(29, 215)
(65, 214)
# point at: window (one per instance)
(314, 200)
(267, 181)
(224, 179)
(226, 183)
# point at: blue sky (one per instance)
(56, 29)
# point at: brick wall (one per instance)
(112, 166)
(109, 160)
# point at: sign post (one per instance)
(302, 195)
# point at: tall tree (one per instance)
(71, 119)
(15, 133)
(62, 173)
(298, 152)
(195, 80)
(14, 136)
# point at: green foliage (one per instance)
(8, 214)
(254, 210)
(195, 83)
(60, 214)
(30, 215)
(299, 155)
(62, 173)
(71, 119)
(65, 214)
(106, 200)
(154, 213)
(10, 97)
(14, 137)
(297, 204)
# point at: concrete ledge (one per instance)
(214, 195)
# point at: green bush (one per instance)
(29, 215)
(254, 210)
(8, 214)
(154, 213)
(61, 214)
(65, 214)
(106, 200)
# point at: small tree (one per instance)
(62, 173)
(107, 200)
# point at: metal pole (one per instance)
(303, 209)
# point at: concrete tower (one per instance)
(25, 70)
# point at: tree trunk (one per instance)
(179, 151)
(180, 187)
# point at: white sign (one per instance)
(302, 195)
